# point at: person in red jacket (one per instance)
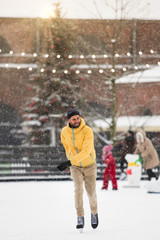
(110, 170)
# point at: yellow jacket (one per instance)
(79, 144)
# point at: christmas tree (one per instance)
(54, 85)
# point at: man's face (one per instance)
(75, 121)
(127, 134)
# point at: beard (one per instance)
(75, 125)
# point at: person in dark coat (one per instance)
(110, 170)
(128, 146)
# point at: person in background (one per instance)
(149, 154)
(128, 146)
(110, 170)
(78, 141)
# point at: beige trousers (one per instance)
(86, 175)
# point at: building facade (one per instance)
(108, 49)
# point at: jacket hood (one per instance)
(76, 130)
(107, 148)
(106, 151)
(141, 134)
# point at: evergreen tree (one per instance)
(55, 84)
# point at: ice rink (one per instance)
(45, 211)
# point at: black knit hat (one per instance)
(130, 132)
(72, 112)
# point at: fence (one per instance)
(39, 163)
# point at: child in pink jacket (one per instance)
(110, 170)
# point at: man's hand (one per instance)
(64, 165)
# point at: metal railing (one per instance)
(39, 163)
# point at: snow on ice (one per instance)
(45, 211)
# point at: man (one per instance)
(128, 146)
(78, 141)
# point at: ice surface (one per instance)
(45, 211)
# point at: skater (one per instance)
(149, 154)
(78, 141)
(110, 170)
(128, 146)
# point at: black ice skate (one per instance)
(80, 223)
(94, 220)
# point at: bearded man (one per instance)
(78, 141)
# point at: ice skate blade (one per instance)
(80, 230)
(153, 192)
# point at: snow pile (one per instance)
(149, 123)
(150, 75)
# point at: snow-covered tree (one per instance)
(54, 84)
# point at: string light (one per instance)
(76, 56)
(81, 56)
(42, 69)
(12, 54)
(78, 71)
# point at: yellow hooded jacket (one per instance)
(79, 144)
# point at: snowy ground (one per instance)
(45, 211)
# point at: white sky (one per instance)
(147, 9)
(45, 211)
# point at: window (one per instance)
(4, 45)
(9, 115)
(146, 112)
